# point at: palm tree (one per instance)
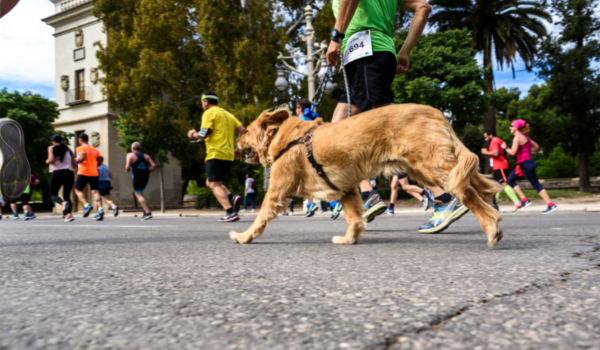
(501, 27)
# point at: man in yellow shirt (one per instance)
(217, 131)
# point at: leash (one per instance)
(321, 89)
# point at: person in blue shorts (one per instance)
(104, 185)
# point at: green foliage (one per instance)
(554, 194)
(558, 164)
(502, 97)
(444, 73)
(35, 114)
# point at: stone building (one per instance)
(83, 108)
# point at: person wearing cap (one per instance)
(522, 148)
(217, 131)
(62, 162)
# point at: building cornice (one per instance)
(55, 20)
(85, 119)
(80, 105)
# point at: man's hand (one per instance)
(238, 153)
(192, 134)
(403, 63)
(333, 53)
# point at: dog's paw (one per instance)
(494, 239)
(342, 240)
(239, 238)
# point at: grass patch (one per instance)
(532, 194)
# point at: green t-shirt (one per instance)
(376, 15)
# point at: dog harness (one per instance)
(307, 141)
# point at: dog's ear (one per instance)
(273, 119)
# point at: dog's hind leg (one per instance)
(353, 211)
(273, 204)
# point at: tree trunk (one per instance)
(489, 118)
(584, 172)
(162, 190)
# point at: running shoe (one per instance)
(14, 169)
(283, 214)
(443, 216)
(0, 216)
(525, 204)
(148, 216)
(236, 202)
(550, 209)
(99, 216)
(337, 209)
(516, 209)
(389, 211)
(229, 217)
(252, 211)
(428, 200)
(116, 211)
(14, 217)
(312, 209)
(86, 210)
(243, 211)
(375, 206)
(69, 218)
(30, 216)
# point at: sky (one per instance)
(27, 53)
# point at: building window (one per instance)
(80, 84)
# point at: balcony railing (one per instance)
(78, 96)
(69, 4)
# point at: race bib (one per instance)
(358, 46)
(491, 162)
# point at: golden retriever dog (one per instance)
(409, 138)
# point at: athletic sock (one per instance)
(230, 196)
(114, 207)
(444, 198)
(551, 204)
(523, 199)
(100, 210)
(391, 206)
(365, 195)
(86, 205)
(511, 193)
(229, 211)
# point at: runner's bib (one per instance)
(358, 46)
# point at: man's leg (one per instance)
(393, 195)
(341, 112)
(13, 207)
(221, 193)
(142, 201)
(108, 201)
(81, 197)
(413, 190)
(252, 198)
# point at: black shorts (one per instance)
(25, 197)
(216, 169)
(140, 182)
(500, 175)
(402, 176)
(83, 180)
(370, 80)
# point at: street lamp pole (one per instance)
(310, 60)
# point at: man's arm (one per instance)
(149, 160)
(128, 162)
(421, 10)
(193, 134)
(241, 130)
(346, 11)
(80, 157)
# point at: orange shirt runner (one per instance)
(89, 167)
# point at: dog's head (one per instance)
(260, 134)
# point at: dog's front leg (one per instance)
(353, 211)
(273, 204)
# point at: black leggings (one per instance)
(62, 178)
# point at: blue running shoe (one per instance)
(336, 210)
(444, 215)
(389, 211)
(86, 210)
(374, 205)
(428, 200)
(100, 215)
(312, 209)
(30, 216)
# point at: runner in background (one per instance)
(499, 164)
(104, 185)
(249, 192)
(402, 180)
(25, 197)
(62, 162)
(87, 157)
(522, 147)
(140, 165)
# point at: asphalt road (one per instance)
(181, 283)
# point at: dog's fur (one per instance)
(414, 139)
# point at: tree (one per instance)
(500, 28)
(574, 86)
(444, 74)
(35, 114)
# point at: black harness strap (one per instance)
(307, 141)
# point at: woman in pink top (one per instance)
(522, 147)
(62, 162)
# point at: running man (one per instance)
(522, 147)
(402, 180)
(499, 165)
(217, 131)
(104, 185)
(140, 165)
(25, 197)
(249, 192)
(371, 69)
(87, 174)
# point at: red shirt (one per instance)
(499, 162)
